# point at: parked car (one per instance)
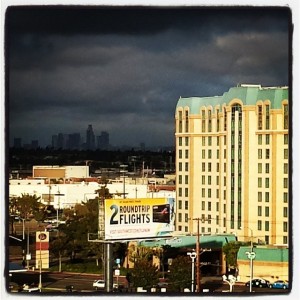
(259, 282)
(280, 284)
(30, 288)
(100, 285)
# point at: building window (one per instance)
(259, 124)
(203, 141)
(267, 211)
(267, 225)
(180, 179)
(267, 197)
(259, 153)
(286, 139)
(267, 139)
(225, 118)
(186, 121)
(209, 120)
(267, 116)
(224, 153)
(286, 116)
(203, 179)
(209, 206)
(285, 197)
(186, 204)
(224, 183)
(180, 192)
(285, 183)
(180, 141)
(285, 168)
(186, 179)
(186, 166)
(259, 168)
(267, 181)
(218, 153)
(179, 217)
(179, 228)
(180, 166)
(209, 153)
(217, 206)
(259, 211)
(286, 153)
(218, 167)
(180, 204)
(285, 212)
(259, 225)
(285, 226)
(186, 192)
(267, 153)
(217, 193)
(259, 197)
(203, 205)
(203, 193)
(209, 180)
(260, 139)
(203, 153)
(209, 141)
(203, 120)
(259, 183)
(267, 168)
(218, 140)
(186, 229)
(186, 141)
(209, 167)
(186, 153)
(285, 239)
(203, 167)
(186, 217)
(180, 153)
(217, 180)
(209, 193)
(180, 121)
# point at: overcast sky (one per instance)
(123, 70)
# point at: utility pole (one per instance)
(198, 255)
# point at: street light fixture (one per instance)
(193, 255)
(251, 256)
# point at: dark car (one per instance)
(259, 282)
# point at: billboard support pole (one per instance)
(108, 267)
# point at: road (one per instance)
(56, 282)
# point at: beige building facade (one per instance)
(232, 164)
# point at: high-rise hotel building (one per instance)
(232, 160)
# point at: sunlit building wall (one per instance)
(232, 164)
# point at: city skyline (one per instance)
(123, 70)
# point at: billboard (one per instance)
(139, 218)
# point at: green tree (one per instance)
(144, 274)
(180, 273)
(230, 250)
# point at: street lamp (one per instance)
(123, 171)
(192, 255)
(251, 256)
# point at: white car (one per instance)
(30, 288)
(100, 284)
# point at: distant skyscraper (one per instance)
(73, 141)
(103, 140)
(17, 143)
(54, 141)
(90, 138)
(60, 141)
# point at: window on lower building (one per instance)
(186, 205)
(259, 225)
(180, 204)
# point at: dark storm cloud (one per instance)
(123, 70)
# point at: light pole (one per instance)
(251, 256)
(123, 171)
(193, 255)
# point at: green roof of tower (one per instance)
(248, 94)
